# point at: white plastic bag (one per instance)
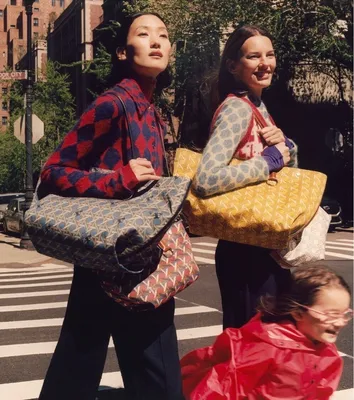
(309, 246)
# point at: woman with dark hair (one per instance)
(244, 272)
(145, 342)
(287, 351)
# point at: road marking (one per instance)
(205, 260)
(346, 240)
(31, 307)
(38, 278)
(204, 244)
(339, 248)
(48, 322)
(347, 394)
(204, 251)
(30, 285)
(30, 349)
(33, 294)
(42, 267)
(56, 271)
(339, 255)
(31, 389)
(351, 245)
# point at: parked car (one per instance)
(333, 208)
(5, 199)
(13, 218)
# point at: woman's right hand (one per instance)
(143, 170)
(276, 156)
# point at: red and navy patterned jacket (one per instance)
(99, 140)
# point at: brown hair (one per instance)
(303, 288)
(226, 82)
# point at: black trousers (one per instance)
(245, 273)
(145, 343)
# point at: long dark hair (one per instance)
(303, 289)
(225, 81)
(122, 69)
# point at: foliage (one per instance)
(53, 104)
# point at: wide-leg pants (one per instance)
(145, 343)
(245, 273)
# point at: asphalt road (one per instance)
(32, 305)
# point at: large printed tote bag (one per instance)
(107, 234)
(176, 270)
(267, 214)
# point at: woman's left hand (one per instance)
(272, 135)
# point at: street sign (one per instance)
(37, 129)
(13, 75)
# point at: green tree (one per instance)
(53, 104)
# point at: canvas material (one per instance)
(176, 270)
(310, 245)
(265, 214)
(106, 234)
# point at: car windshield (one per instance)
(6, 199)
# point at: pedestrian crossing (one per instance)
(204, 249)
(32, 307)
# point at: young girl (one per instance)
(286, 351)
(145, 342)
(245, 273)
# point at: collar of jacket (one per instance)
(284, 335)
(131, 87)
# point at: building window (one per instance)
(36, 1)
(4, 106)
(4, 90)
(35, 22)
(4, 121)
(62, 2)
(13, 2)
(1, 13)
(35, 35)
(36, 9)
(12, 26)
(3, 54)
(53, 3)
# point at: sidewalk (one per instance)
(11, 253)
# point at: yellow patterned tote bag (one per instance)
(267, 214)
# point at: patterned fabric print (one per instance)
(98, 141)
(229, 132)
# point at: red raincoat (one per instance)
(262, 361)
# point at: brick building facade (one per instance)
(13, 38)
(71, 41)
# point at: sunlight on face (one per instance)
(148, 46)
(256, 64)
(331, 301)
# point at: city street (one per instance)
(33, 299)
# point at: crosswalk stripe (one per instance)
(32, 307)
(346, 394)
(30, 389)
(343, 245)
(204, 251)
(28, 349)
(48, 322)
(339, 255)
(38, 278)
(339, 248)
(40, 268)
(204, 244)
(46, 272)
(204, 260)
(346, 240)
(33, 294)
(29, 285)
